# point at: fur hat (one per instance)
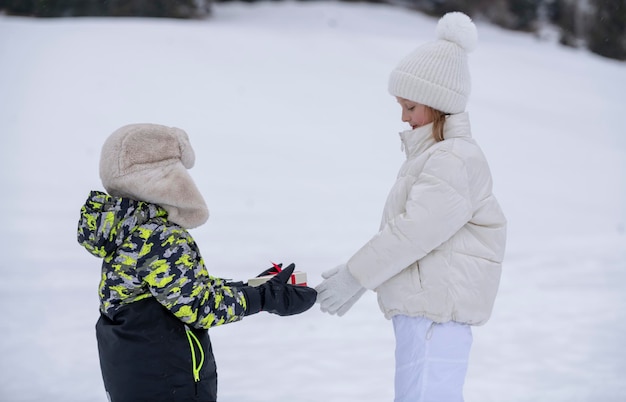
(149, 162)
(436, 74)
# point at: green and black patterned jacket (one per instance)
(157, 301)
(145, 255)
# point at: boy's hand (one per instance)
(276, 296)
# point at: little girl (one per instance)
(436, 261)
(157, 299)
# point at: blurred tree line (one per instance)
(599, 25)
(108, 8)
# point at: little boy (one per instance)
(157, 299)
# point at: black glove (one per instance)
(273, 270)
(276, 296)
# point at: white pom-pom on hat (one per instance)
(458, 28)
(436, 74)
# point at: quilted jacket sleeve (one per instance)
(437, 206)
(171, 266)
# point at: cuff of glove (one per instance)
(253, 299)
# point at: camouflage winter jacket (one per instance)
(145, 255)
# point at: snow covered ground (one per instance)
(296, 143)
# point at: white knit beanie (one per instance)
(149, 162)
(436, 74)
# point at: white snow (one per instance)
(296, 143)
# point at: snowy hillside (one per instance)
(296, 143)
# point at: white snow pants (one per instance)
(431, 359)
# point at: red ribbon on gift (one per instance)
(292, 277)
(276, 267)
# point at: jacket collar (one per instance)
(414, 142)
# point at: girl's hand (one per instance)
(339, 291)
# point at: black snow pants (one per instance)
(147, 354)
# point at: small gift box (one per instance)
(297, 278)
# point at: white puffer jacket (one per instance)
(439, 250)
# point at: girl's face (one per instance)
(416, 114)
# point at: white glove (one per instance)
(339, 291)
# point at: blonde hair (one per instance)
(439, 118)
